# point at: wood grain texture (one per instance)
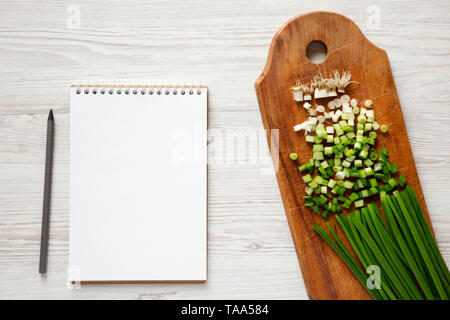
(325, 274)
(224, 44)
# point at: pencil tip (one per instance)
(50, 115)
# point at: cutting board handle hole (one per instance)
(316, 51)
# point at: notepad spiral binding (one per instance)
(134, 88)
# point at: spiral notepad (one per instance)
(138, 206)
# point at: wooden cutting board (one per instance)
(324, 274)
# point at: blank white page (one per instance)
(138, 199)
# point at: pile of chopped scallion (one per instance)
(349, 169)
(346, 171)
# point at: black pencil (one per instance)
(47, 191)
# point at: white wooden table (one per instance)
(43, 49)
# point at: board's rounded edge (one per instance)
(271, 48)
(296, 19)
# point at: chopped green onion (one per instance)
(304, 167)
(348, 184)
(392, 182)
(317, 147)
(362, 119)
(359, 203)
(318, 155)
(368, 163)
(393, 168)
(401, 180)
